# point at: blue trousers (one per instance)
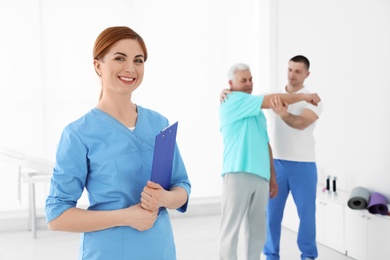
(301, 179)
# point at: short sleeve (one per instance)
(316, 109)
(238, 106)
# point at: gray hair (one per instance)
(233, 69)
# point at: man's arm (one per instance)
(311, 98)
(273, 186)
(300, 122)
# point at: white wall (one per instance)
(47, 77)
(21, 92)
(347, 43)
(49, 80)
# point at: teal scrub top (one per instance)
(113, 164)
(244, 131)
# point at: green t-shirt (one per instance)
(244, 131)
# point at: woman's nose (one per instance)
(129, 67)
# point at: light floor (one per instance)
(196, 239)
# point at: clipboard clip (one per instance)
(170, 130)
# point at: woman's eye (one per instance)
(120, 58)
(138, 61)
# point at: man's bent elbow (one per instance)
(301, 126)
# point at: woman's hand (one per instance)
(139, 218)
(153, 196)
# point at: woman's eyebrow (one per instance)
(120, 53)
(123, 54)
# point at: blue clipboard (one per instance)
(164, 148)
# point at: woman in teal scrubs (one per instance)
(109, 152)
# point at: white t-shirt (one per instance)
(293, 144)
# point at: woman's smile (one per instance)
(126, 80)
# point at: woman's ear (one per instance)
(96, 64)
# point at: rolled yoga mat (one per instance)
(378, 204)
(359, 199)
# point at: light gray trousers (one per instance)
(246, 196)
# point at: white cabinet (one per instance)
(378, 237)
(330, 223)
(367, 236)
(357, 233)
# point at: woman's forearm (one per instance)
(81, 220)
(177, 198)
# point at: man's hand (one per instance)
(223, 97)
(300, 122)
(313, 99)
(278, 106)
(273, 188)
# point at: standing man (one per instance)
(294, 160)
(248, 172)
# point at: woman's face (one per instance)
(122, 68)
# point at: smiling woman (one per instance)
(110, 43)
(121, 71)
(109, 152)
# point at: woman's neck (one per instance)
(125, 111)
